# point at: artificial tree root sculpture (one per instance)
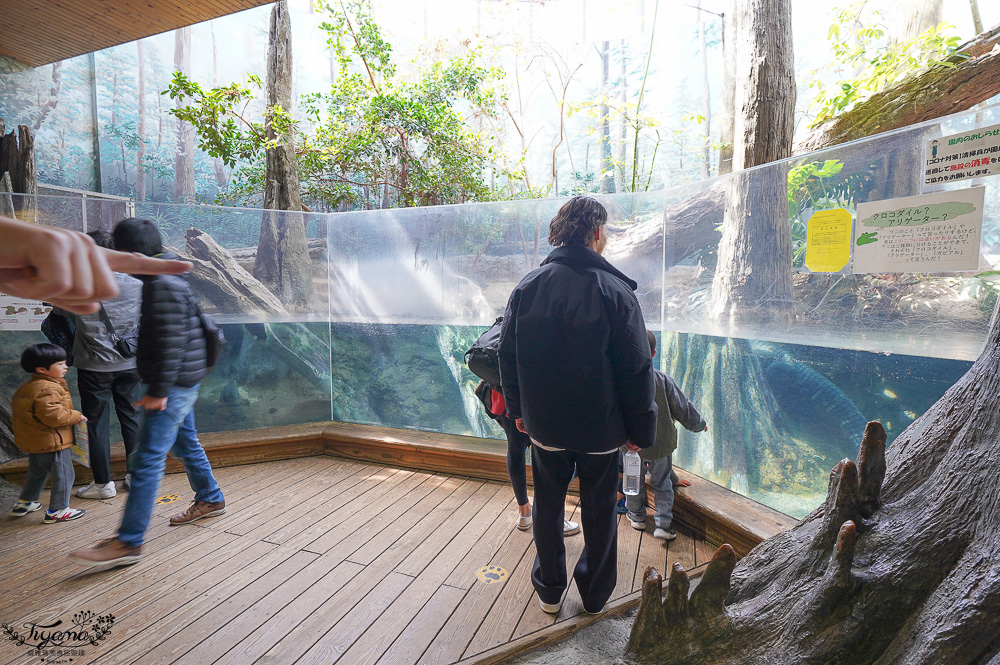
(900, 565)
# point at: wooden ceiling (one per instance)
(37, 32)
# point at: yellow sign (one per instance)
(828, 240)
(167, 498)
(491, 574)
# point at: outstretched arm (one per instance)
(65, 267)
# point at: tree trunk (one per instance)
(917, 99)
(140, 152)
(184, 159)
(900, 572)
(623, 126)
(17, 157)
(909, 18)
(607, 167)
(726, 123)
(282, 262)
(753, 276)
(706, 100)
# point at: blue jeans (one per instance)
(660, 472)
(171, 430)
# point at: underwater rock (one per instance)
(816, 407)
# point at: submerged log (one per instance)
(900, 571)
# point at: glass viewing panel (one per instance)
(786, 364)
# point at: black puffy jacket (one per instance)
(574, 357)
(171, 338)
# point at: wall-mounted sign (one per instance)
(971, 154)
(21, 314)
(936, 232)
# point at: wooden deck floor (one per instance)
(317, 560)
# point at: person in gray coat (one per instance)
(104, 374)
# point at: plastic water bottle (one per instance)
(630, 476)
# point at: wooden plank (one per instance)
(319, 507)
(220, 640)
(256, 643)
(339, 638)
(483, 506)
(450, 549)
(652, 552)
(453, 639)
(184, 560)
(703, 552)
(464, 574)
(680, 550)
(628, 555)
(155, 617)
(345, 506)
(503, 617)
(410, 644)
(363, 513)
(204, 617)
(423, 517)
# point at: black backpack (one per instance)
(483, 357)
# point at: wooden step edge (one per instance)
(562, 630)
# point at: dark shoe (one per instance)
(620, 507)
(107, 552)
(197, 510)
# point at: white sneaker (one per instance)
(638, 525)
(570, 527)
(665, 534)
(95, 491)
(548, 608)
(524, 522)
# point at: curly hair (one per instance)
(576, 221)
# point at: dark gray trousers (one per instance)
(40, 465)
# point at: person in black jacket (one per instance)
(577, 378)
(171, 359)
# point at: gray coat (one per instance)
(93, 348)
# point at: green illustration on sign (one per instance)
(918, 215)
(867, 238)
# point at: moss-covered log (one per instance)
(935, 93)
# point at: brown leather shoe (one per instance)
(110, 551)
(197, 510)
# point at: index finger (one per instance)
(138, 264)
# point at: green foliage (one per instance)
(220, 115)
(821, 186)
(859, 46)
(375, 138)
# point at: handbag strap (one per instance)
(107, 322)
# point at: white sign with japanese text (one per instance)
(21, 314)
(937, 232)
(972, 154)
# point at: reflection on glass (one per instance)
(399, 295)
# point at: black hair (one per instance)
(652, 343)
(138, 235)
(576, 221)
(41, 355)
(102, 239)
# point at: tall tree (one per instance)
(753, 278)
(140, 151)
(184, 157)
(726, 122)
(282, 261)
(607, 168)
